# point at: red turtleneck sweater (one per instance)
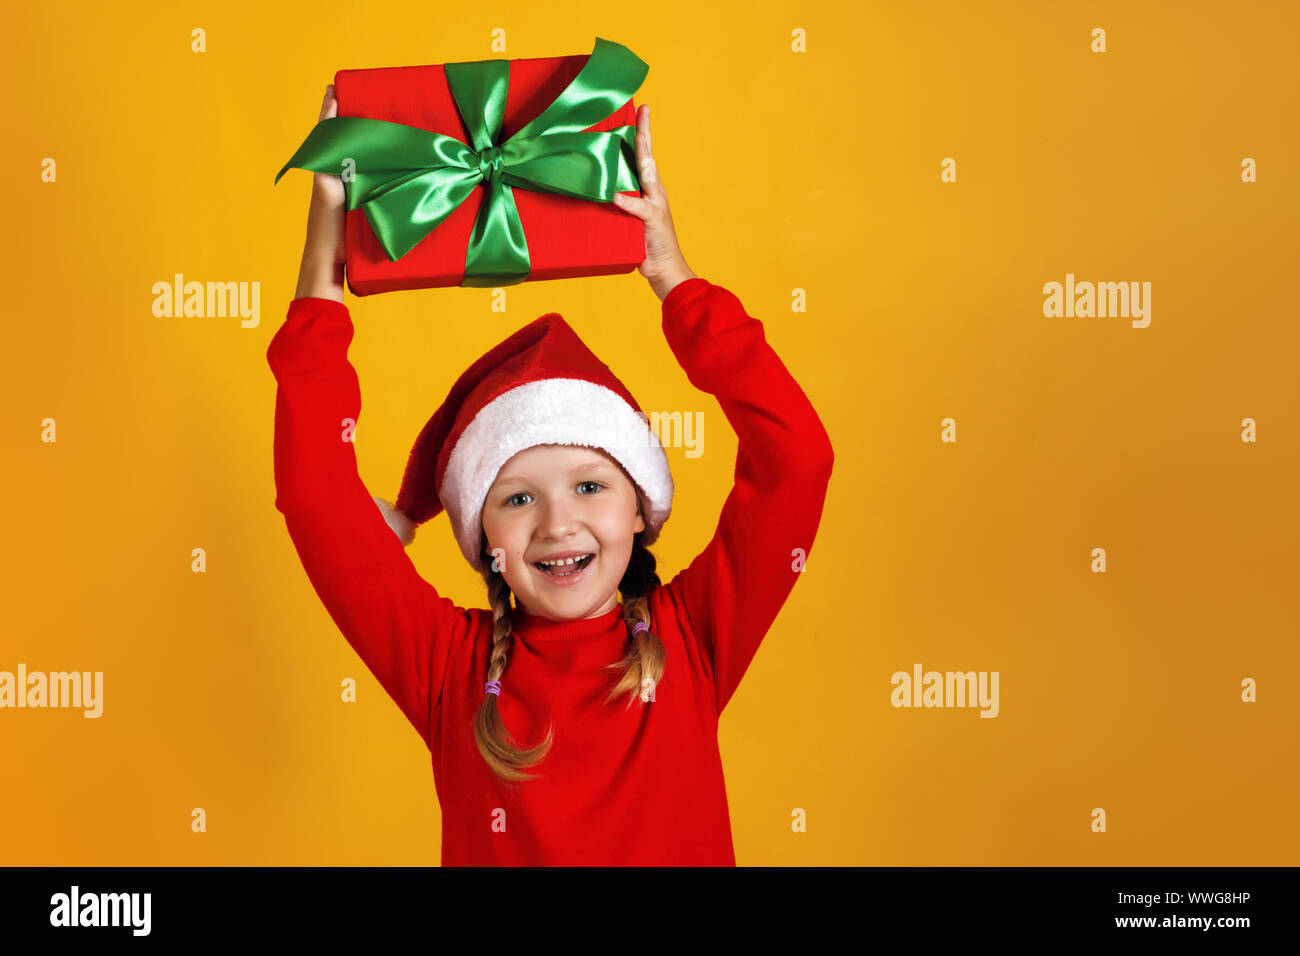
(639, 785)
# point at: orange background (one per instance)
(817, 171)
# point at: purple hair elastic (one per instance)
(639, 627)
(492, 687)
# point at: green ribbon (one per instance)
(408, 180)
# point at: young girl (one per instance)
(571, 728)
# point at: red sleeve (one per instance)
(732, 591)
(398, 624)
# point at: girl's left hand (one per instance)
(664, 265)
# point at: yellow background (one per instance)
(816, 171)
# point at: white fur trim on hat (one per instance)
(552, 411)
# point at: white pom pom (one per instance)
(402, 526)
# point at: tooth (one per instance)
(563, 561)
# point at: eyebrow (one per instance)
(585, 466)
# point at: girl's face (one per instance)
(553, 500)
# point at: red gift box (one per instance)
(566, 237)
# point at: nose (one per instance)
(559, 520)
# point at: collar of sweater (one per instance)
(536, 626)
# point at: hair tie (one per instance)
(492, 687)
(639, 627)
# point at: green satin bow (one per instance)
(408, 180)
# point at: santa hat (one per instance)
(541, 386)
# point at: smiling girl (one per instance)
(576, 725)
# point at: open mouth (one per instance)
(565, 570)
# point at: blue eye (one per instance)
(524, 494)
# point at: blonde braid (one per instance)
(494, 741)
(643, 666)
(644, 663)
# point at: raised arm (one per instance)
(402, 629)
(394, 619)
(732, 591)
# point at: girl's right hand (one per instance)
(327, 197)
(325, 251)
